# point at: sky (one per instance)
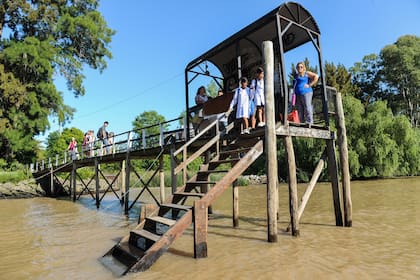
(155, 40)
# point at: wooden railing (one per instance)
(187, 159)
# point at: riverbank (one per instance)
(23, 189)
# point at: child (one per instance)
(241, 98)
(257, 87)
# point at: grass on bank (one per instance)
(14, 176)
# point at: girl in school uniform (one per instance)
(241, 98)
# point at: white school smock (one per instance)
(241, 98)
(258, 92)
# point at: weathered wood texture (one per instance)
(304, 132)
(333, 171)
(200, 229)
(235, 204)
(344, 160)
(293, 197)
(97, 183)
(270, 141)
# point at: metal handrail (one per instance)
(127, 143)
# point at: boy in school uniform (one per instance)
(241, 98)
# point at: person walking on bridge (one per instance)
(103, 137)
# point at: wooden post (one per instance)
(270, 141)
(127, 184)
(333, 171)
(161, 180)
(200, 229)
(344, 159)
(310, 188)
(235, 203)
(123, 178)
(174, 182)
(73, 180)
(97, 185)
(293, 197)
(52, 180)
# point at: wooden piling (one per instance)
(333, 171)
(174, 182)
(235, 203)
(52, 181)
(161, 180)
(97, 185)
(305, 198)
(270, 141)
(200, 229)
(293, 197)
(122, 176)
(127, 184)
(344, 159)
(73, 180)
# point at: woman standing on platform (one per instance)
(302, 85)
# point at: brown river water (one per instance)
(45, 238)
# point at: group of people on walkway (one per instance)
(103, 137)
(250, 100)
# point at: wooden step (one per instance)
(127, 254)
(229, 160)
(240, 150)
(189, 194)
(211, 171)
(161, 220)
(176, 206)
(145, 234)
(197, 183)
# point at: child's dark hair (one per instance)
(244, 80)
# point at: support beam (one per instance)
(123, 178)
(270, 141)
(73, 180)
(305, 198)
(97, 185)
(293, 197)
(127, 184)
(235, 204)
(200, 229)
(333, 171)
(52, 181)
(161, 180)
(344, 160)
(173, 166)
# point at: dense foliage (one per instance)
(38, 40)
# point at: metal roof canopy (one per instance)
(288, 26)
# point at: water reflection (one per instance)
(57, 239)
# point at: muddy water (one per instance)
(45, 238)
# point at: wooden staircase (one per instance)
(152, 237)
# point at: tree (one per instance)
(401, 72)
(339, 78)
(38, 40)
(367, 78)
(149, 121)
